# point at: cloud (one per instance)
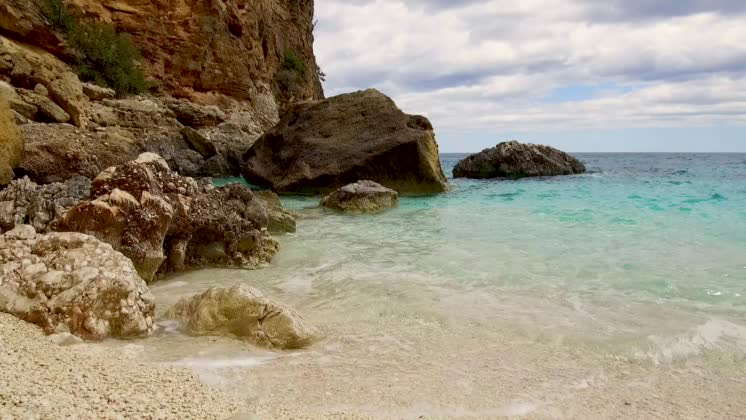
(486, 64)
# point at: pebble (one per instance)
(88, 382)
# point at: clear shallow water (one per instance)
(513, 288)
(651, 227)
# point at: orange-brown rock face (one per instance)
(233, 47)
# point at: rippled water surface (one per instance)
(517, 293)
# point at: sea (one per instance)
(620, 292)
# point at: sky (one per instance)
(581, 75)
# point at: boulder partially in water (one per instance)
(165, 222)
(362, 197)
(518, 160)
(246, 313)
(322, 145)
(72, 281)
(280, 219)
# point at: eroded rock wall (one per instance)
(231, 47)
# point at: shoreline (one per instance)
(41, 379)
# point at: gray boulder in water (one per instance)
(518, 160)
(243, 312)
(362, 197)
(320, 146)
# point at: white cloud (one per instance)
(495, 65)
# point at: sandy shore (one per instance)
(43, 380)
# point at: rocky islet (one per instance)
(513, 160)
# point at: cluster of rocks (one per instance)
(77, 254)
(26, 202)
(75, 128)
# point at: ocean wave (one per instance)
(715, 334)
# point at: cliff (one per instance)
(222, 72)
(229, 47)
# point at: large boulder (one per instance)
(165, 222)
(243, 312)
(73, 282)
(517, 160)
(25, 202)
(11, 143)
(58, 152)
(362, 197)
(320, 146)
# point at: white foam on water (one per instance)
(170, 285)
(169, 326)
(715, 334)
(219, 372)
(224, 363)
(517, 409)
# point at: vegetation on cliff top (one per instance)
(105, 56)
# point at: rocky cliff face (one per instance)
(232, 47)
(235, 48)
(223, 70)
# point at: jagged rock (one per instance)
(11, 143)
(166, 222)
(25, 20)
(72, 282)
(280, 220)
(362, 197)
(26, 67)
(323, 145)
(25, 202)
(245, 313)
(46, 109)
(194, 115)
(17, 104)
(236, 135)
(97, 93)
(517, 160)
(57, 152)
(199, 143)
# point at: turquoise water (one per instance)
(649, 227)
(617, 293)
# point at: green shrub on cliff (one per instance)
(108, 58)
(58, 15)
(292, 73)
(291, 62)
(105, 56)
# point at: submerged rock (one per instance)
(243, 312)
(73, 282)
(517, 160)
(362, 197)
(165, 222)
(320, 146)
